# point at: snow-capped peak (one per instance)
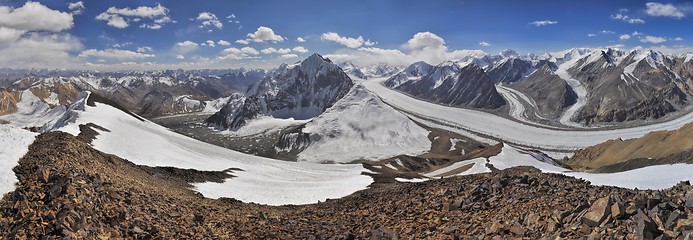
(689, 57)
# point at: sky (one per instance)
(134, 35)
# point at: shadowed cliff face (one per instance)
(449, 84)
(299, 91)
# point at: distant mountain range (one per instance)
(601, 85)
(578, 86)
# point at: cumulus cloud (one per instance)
(607, 32)
(543, 23)
(678, 39)
(237, 54)
(37, 50)
(208, 43)
(243, 41)
(249, 51)
(111, 53)
(624, 37)
(288, 56)
(263, 34)
(144, 49)
(223, 43)
(423, 46)
(653, 39)
(663, 10)
(208, 19)
(268, 50)
(121, 17)
(300, 39)
(34, 16)
(180, 57)
(185, 47)
(271, 50)
(484, 44)
(10, 35)
(425, 40)
(591, 35)
(346, 41)
(300, 49)
(623, 16)
(77, 8)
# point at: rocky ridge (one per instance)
(68, 189)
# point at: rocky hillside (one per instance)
(628, 86)
(450, 84)
(655, 148)
(68, 189)
(299, 91)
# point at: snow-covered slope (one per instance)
(261, 180)
(32, 112)
(14, 143)
(361, 126)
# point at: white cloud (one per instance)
(425, 40)
(607, 32)
(269, 50)
(249, 51)
(121, 17)
(144, 49)
(10, 35)
(591, 35)
(636, 33)
(237, 54)
(626, 18)
(300, 39)
(180, 57)
(113, 54)
(242, 41)
(653, 39)
(263, 34)
(34, 16)
(288, 56)
(484, 44)
(185, 47)
(208, 19)
(113, 20)
(151, 26)
(223, 43)
(624, 37)
(300, 49)
(77, 8)
(678, 39)
(346, 41)
(283, 50)
(635, 21)
(543, 23)
(208, 43)
(663, 10)
(36, 50)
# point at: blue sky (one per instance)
(111, 35)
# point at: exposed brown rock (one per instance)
(68, 189)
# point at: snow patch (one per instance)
(14, 143)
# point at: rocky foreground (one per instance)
(68, 189)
